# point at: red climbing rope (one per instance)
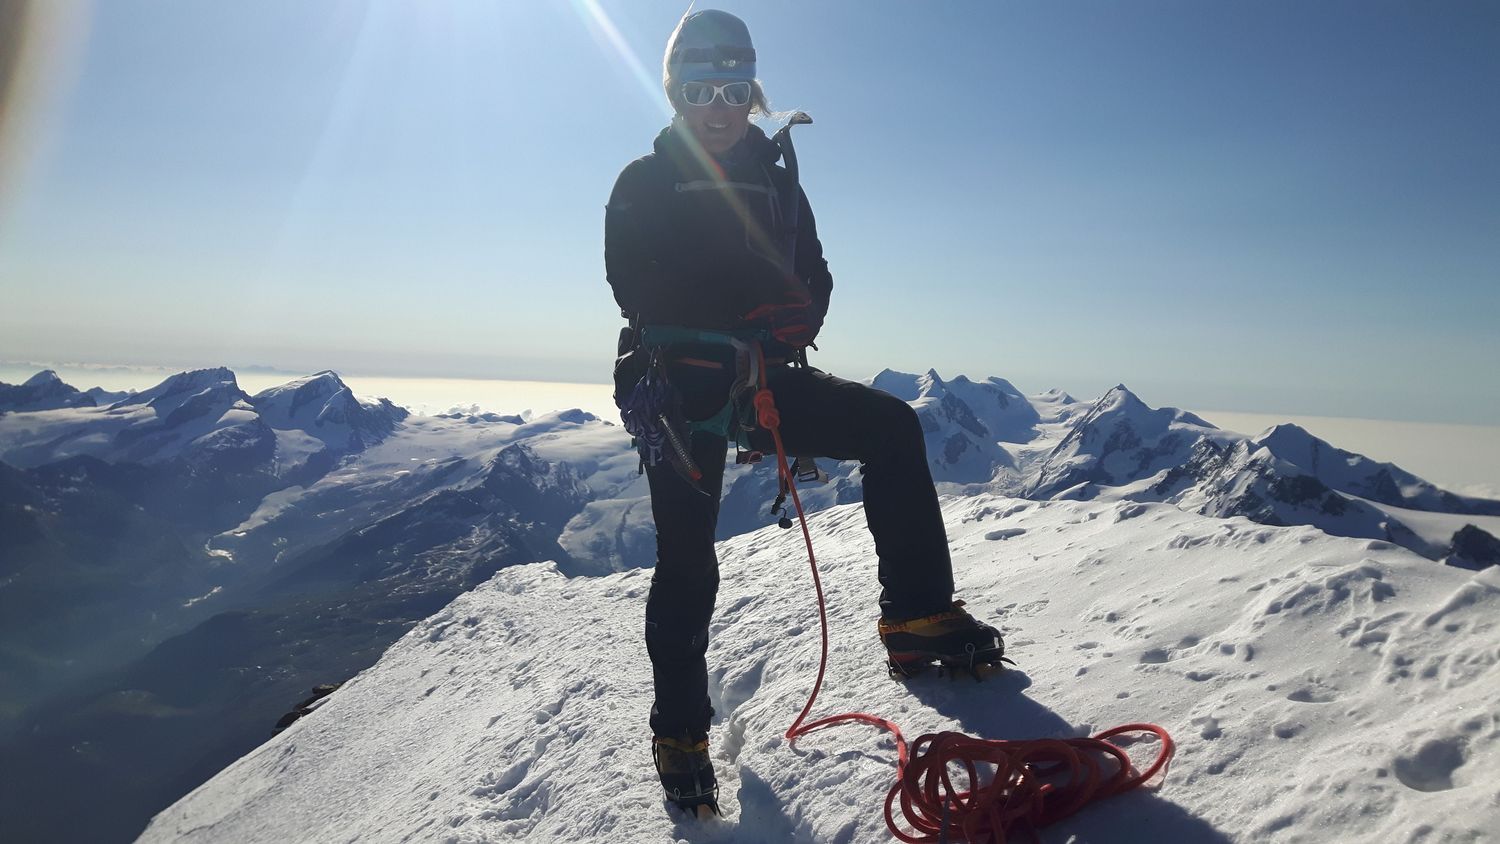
(1033, 783)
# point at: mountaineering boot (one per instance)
(687, 774)
(952, 638)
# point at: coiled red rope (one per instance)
(1011, 785)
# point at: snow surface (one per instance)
(1320, 688)
(1437, 529)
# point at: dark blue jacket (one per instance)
(699, 243)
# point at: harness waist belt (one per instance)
(672, 335)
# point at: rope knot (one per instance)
(765, 409)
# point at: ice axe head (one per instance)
(784, 134)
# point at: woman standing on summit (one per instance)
(703, 259)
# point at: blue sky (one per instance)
(1269, 206)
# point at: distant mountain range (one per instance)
(46, 391)
(178, 566)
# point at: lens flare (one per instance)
(41, 46)
(604, 30)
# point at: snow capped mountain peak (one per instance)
(1000, 384)
(1362, 476)
(1119, 398)
(902, 385)
(1118, 406)
(1286, 429)
(44, 378)
(178, 388)
(1120, 439)
(327, 378)
(1056, 394)
(42, 391)
(289, 399)
(931, 384)
(322, 406)
(1293, 442)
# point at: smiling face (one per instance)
(717, 126)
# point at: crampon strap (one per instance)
(1034, 783)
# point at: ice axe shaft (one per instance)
(791, 203)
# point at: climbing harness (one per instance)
(652, 410)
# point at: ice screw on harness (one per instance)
(679, 448)
(648, 413)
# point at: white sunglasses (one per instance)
(704, 93)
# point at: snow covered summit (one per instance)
(184, 387)
(1320, 688)
(1358, 475)
(324, 407)
(199, 417)
(1119, 440)
(42, 391)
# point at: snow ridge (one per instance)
(518, 712)
(1359, 475)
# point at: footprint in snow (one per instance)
(1431, 766)
(1032, 607)
(1209, 727)
(1314, 693)
(1287, 729)
(1155, 656)
(1004, 533)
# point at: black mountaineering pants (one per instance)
(821, 416)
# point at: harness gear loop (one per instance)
(735, 419)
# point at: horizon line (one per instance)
(257, 369)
